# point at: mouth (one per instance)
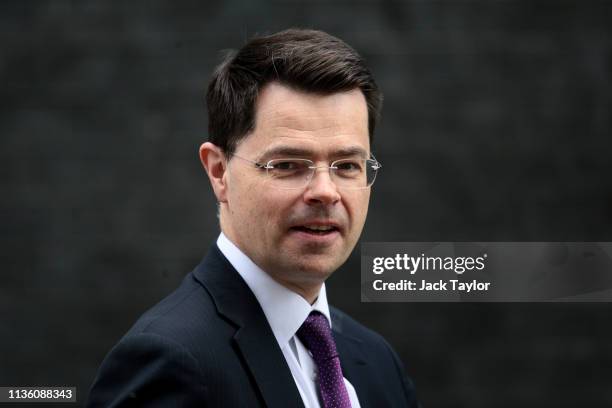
(316, 229)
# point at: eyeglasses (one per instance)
(297, 173)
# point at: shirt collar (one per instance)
(285, 310)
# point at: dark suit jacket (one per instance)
(208, 344)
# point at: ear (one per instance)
(213, 161)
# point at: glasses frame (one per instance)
(261, 166)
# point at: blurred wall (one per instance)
(496, 126)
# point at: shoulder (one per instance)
(186, 321)
(186, 312)
(345, 325)
(166, 346)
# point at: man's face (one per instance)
(273, 226)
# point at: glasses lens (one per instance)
(354, 173)
(372, 167)
(289, 173)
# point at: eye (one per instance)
(286, 165)
(349, 166)
(288, 168)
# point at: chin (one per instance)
(318, 269)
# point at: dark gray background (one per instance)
(496, 126)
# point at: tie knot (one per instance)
(316, 335)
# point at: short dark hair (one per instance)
(306, 60)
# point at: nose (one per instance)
(321, 189)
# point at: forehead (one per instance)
(313, 122)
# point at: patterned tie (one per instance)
(316, 335)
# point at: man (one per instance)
(291, 118)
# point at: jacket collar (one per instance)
(352, 359)
(253, 338)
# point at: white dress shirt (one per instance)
(285, 311)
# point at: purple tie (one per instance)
(316, 335)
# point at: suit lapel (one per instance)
(269, 368)
(353, 362)
(254, 337)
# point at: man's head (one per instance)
(297, 94)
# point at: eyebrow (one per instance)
(291, 151)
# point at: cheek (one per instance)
(357, 207)
(268, 210)
(245, 207)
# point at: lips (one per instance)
(317, 228)
(320, 230)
